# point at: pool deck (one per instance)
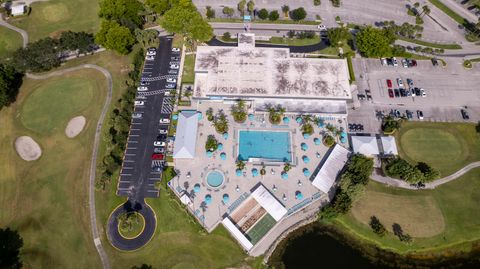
(194, 171)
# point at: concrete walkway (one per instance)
(430, 185)
(96, 143)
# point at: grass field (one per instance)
(445, 146)
(9, 42)
(430, 44)
(457, 201)
(54, 16)
(188, 75)
(46, 200)
(293, 41)
(136, 228)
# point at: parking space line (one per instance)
(134, 135)
(126, 175)
(128, 161)
(135, 129)
(127, 167)
(130, 154)
(152, 190)
(136, 123)
(132, 141)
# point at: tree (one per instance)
(263, 14)
(390, 124)
(239, 111)
(240, 164)
(477, 127)
(285, 10)
(124, 12)
(220, 122)
(77, 41)
(336, 3)
(160, 6)
(10, 82)
(338, 36)
(328, 140)
(425, 10)
(209, 114)
(143, 266)
(228, 11)
(275, 114)
(241, 7)
(10, 245)
(377, 226)
(317, 2)
(210, 12)
(211, 144)
(273, 16)
(298, 14)
(114, 36)
(250, 6)
(227, 36)
(372, 42)
(40, 56)
(147, 38)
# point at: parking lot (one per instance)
(142, 165)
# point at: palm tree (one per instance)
(285, 10)
(239, 112)
(425, 10)
(307, 118)
(287, 167)
(221, 123)
(209, 114)
(240, 164)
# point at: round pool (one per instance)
(215, 179)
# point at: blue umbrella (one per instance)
(284, 175)
(209, 154)
(200, 116)
(299, 119)
(175, 117)
(306, 135)
(254, 172)
(251, 117)
(303, 146)
(321, 123)
(220, 146)
(223, 156)
(286, 120)
(316, 141)
(343, 134)
(238, 172)
(343, 140)
(196, 188)
(306, 172)
(225, 135)
(298, 195)
(208, 199)
(226, 198)
(305, 159)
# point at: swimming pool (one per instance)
(215, 179)
(267, 145)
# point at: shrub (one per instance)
(210, 12)
(226, 36)
(418, 20)
(328, 140)
(317, 2)
(211, 144)
(273, 16)
(228, 11)
(336, 3)
(377, 226)
(263, 14)
(298, 14)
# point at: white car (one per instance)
(159, 144)
(137, 115)
(150, 58)
(139, 103)
(142, 88)
(383, 61)
(395, 62)
(322, 27)
(175, 50)
(151, 53)
(163, 131)
(423, 93)
(404, 63)
(171, 80)
(167, 93)
(174, 66)
(400, 82)
(164, 121)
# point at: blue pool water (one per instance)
(274, 146)
(214, 179)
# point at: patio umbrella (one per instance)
(299, 119)
(343, 140)
(303, 146)
(208, 199)
(196, 188)
(238, 172)
(209, 154)
(220, 146)
(305, 159)
(254, 172)
(321, 123)
(286, 120)
(316, 141)
(225, 135)
(298, 195)
(223, 156)
(175, 117)
(306, 136)
(251, 117)
(200, 116)
(306, 172)
(226, 198)
(284, 175)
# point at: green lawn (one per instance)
(54, 16)
(134, 229)
(46, 200)
(188, 75)
(52, 104)
(294, 41)
(445, 146)
(429, 44)
(9, 42)
(279, 21)
(456, 228)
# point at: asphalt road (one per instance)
(137, 179)
(294, 49)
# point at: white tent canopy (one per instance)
(246, 244)
(186, 137)
(334, 164)
(18, 10)
(366, 145)
(389, 145)
(269, 203)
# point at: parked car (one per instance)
(173, 72)
(175, 58)
(321, 27)
(389, 83)
(423, 93)
(389, 61)
(175, 50)
(150, 58)
(400, 82)
(142, 88)
(161, 137)
(413, 92)
(397, 93)
(159, 143)
(171, 80)
(167, 93)
(139, 103)
(163, 131)
(170, 86)
(144, 83)
(434, 61)
(410, 82)
(383, 61)
(151, 52)
(395, 62)
(174, 66)
(164, 121)
(157, 156)
(412, 62)
(137, 115)
(159, 150)
(405, 63)
(417, 92)
(419, 114)
(390, 93)
(465, 115)
(409, 114)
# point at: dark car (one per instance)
(390, 93)
(173, 71)
(161, 137)
(418, 92)
(158, 150)
(156, 168)
(389, 62)
(157, 156)
(409, 114)
(397, 93)
(434, 62)
(465, 115)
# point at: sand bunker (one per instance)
(75, 126)
(27, 148)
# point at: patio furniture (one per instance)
(209, 154)
(225, 136)
(200, 116)
(272, 171)
(174, 117)
(251, 117)
(299, 183)
(284, 197)
(306, 136)
(274, 188)
(299, 120)
(237, 189)
(318, 155)
(220, 146)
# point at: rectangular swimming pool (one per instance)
(266, 145)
